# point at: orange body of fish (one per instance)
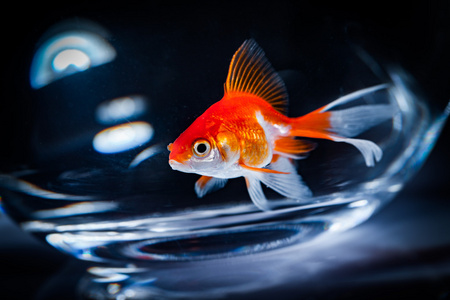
(247, 134)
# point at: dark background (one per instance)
(414, 35)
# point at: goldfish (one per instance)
(248, 134)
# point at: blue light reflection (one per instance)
(68, 53)
(121, 109)
(122, 137)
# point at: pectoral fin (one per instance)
(260, 170)
(206, 184)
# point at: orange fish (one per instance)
(248, 134)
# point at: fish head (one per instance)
(195, 151)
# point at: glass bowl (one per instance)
(90, 173)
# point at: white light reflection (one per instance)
(122, 137)
(76, 209)
(67, 53)
(114, 274)
(400, 90)
(145, 154)
(120, 109)
(26, 187)
(71, 58)
(358, 203)
(395, 188)
(361, 211)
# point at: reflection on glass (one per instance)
(113, 274)
(122, 137)
(120, 109)
(71, 58)
(14, 184)
(81, 208)
(146, 154)
(67, 53)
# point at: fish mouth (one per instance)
(182, 167)
(174, 162)
(176, 165)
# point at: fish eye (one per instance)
(201, 148)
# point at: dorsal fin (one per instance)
(251, 72)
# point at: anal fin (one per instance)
(256, 193)
(289, 183)
(284, 181)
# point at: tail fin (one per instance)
(342, 125)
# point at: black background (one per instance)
(415, 35)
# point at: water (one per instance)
(94, 180)
(121, 214)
